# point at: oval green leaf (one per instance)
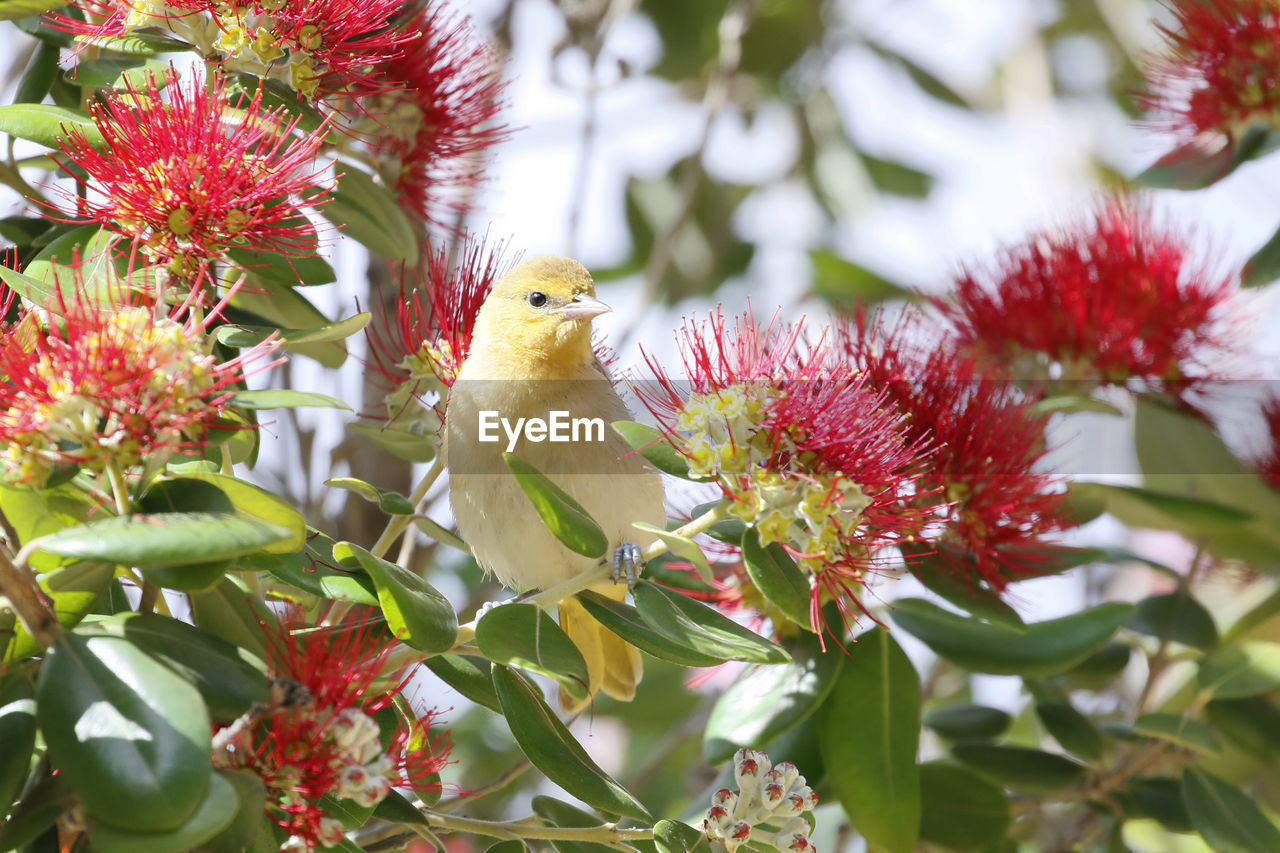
(1176, 617)
(1225, 817)
(967, 722)
(1032, 771)
(417, 614)
(469, 676)
(163, 540)
(45, 124)
(1237, 672)
(1044, 648)
(682, 546)
(960, 809)
(562, 515)
(778, 578)
(214, 814)
(287, 399)
(653, 445)
(695, 625)
(550, 747)
(526, 637)
(1181, 730)
(392, 503)
(17, 733)
(369, 213)
(407, 445)
(626, 622)
(1077, 734)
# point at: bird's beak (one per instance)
(584, 308)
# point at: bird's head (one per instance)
(541, 310)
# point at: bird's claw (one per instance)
(628, 561)
(489, 605)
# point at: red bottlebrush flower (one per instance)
(111, 381)
(1222, 72)
(317, 736)
(1269, 465)
(987, 441)
(317, 47)
(802, 447)
(188, 179)
(1110, 298)
(435, 116)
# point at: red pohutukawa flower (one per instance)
(804, 450)
(1222, 72)
(1112, 297)
(435, 116)
(188, 174)
(317, 735)
(988, 443)
(317, 47)
(110, 381)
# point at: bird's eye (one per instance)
(537, 299)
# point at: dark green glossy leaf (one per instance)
(285, 308)
(562, 515)
(1099, 669)
(1161, 800)
(314, 570)
(1253, 724)
(165, 539)
(1240, 671)
(766, 701)
(525, 636)
(1044, 648)
(45, 124)
(395, 808)
(287, 399)
(695, 625)
(872, 764)
(73, 590)
(38, 76)
(1225, 817)
(1181, 730)
(417, 614)
(966, 722)
(131, 736)
(17, 733)
(229, 611)
(407, 445)
(36, 812)
(469, 676)
(1203, 161)
(938, 575)
(285, 269)
(1072, 729)
(653, 445)
(626, 623)
(673, 836)
(214, 813)
(136, 43)
(960, 809)
(1264, 266)
(251, 336)
(1145, 508)
(245, 498)
(548, 744)
(11, 10)
(369, 213)
(778, 578)
(116, 72)
(1032, 771)
(392, 503)
(246, 826)
(847, 285)
(1176, 617)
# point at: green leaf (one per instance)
(11, 10)
(470, 677)
(73, 589)
(525, 636)
(246, 826)
(626, 623)
(395, 808)
(284, 269)
(250, 336)
(417, 614)
(847, 285)
(165, 539)
(312, 570)
(563, 516)
(965, 722)
(550, 747)
(116, 72)
(283, 398)
(131, 735)
(407, 445)
(1176, 617)
(1072, 729)
(1161, 800)
(1031, 771)
(1145, 508)
(1253, 724)
(369, 213)
(1264, 266)
(1099, 669)
(960, 809)
(1237, 672)
(654, 446)
(1070, 404)
(1044, 648)
(36, 812)
(896, 178)
(934, 571)
(1181, 730)
(871, 764)
(766, 701)
(44, 124)
(1227, 819)
(246, 499)
(228, 679)
(33, 514)
(697, 626)
(17, 733)
(673, 836)
(682, 546)
(214, 814)
(286, 308)
(230, 612)
(39, 74)
(134, 44)
(778, 578)
(392, 503)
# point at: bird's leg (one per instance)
(629, 561)
(489, 605)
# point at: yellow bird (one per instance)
(531, 358)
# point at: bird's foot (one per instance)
(489, 605)
(628, 561)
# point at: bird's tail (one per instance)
(613, 664)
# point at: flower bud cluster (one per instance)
(768, 808)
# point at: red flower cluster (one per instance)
(111, 380)
(1111, 298)
(802, 446)
(1222, 73)
(186, 178)
(318, 736)
(988, 442)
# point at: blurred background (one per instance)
(790, 154)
